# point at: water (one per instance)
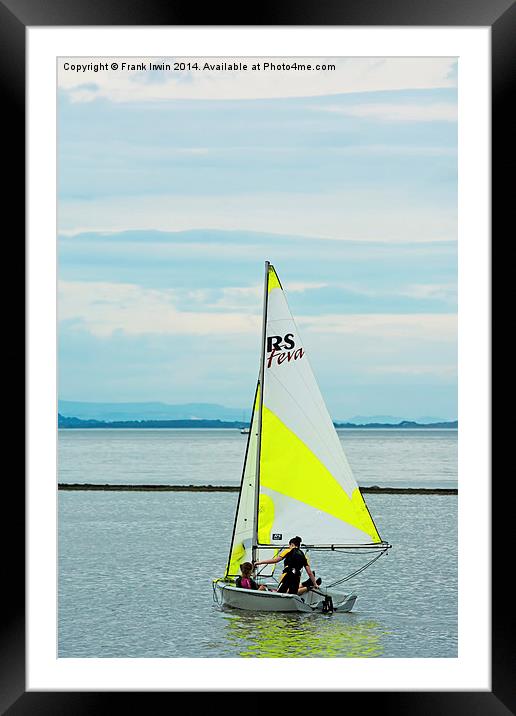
(136, 569)
(388, 458)
(135, 573)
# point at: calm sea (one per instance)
(388, 458)
(136, 569)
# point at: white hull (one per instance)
(254, 600)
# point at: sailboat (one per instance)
(296, 479)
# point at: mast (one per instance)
(260, 410)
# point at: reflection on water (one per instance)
(302, 635)
(125, 558)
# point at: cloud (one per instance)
(417, 326)
(358, 214)
(89, 81)
(445, 371)
(147, 314)
(250, 297)
(217, 272)
(405, 112)
(105, 309)
(446, 292)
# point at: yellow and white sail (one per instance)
(296, 478)
(303, 469)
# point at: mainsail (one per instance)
(296, 477)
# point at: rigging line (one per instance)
(354, 574)
(243, 476)
(351, 550)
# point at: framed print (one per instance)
(164, 160)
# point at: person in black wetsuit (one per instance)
(295, 561)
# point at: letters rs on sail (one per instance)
(282, 348)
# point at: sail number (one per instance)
(282, 348)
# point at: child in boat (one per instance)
(245, 581)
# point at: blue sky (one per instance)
(175, 187)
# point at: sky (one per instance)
(174, 187)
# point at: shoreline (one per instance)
(230, 488)
(65, 422)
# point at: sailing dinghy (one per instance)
(296, 478)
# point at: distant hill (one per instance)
(73, 422)
(150, 411)
(453, 424)
(116, 412)
(395, 420)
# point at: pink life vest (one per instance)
(245, 583)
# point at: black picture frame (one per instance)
(18, 15)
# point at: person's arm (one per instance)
(311, 575)
(275, 560)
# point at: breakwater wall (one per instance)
(230, 488)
